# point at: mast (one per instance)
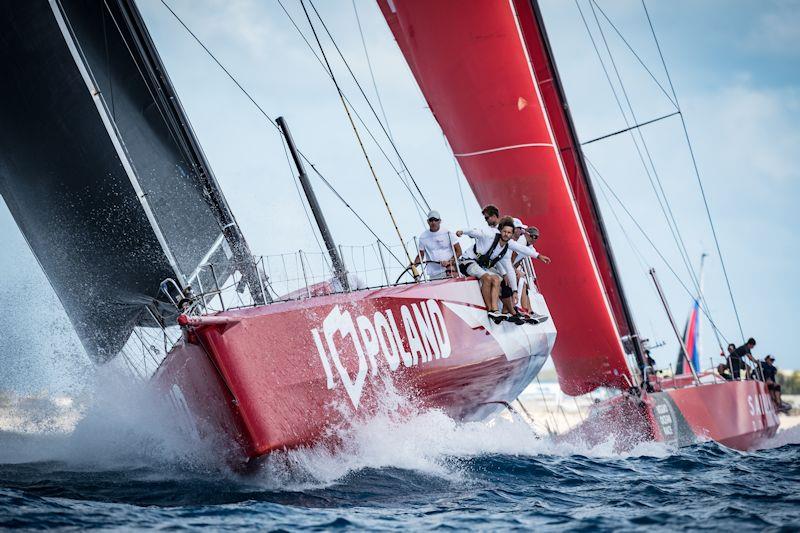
(316, 210)
(597, 216)
(674, 326)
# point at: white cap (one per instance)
(434, 214)
(518, 224)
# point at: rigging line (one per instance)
(637, 252)
(635, 126)
(355, 111)
(679, 240)
(369, 103)
(652, 244)
(458, 179)
(371, 73)
(639, 256)
(670, 217)
(275, 125)
(358, 138)
(665, 206)
(672, 100)
(389, 133)
(697, 174)
(461, 191)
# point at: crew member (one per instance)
(737, 357)
(519, 227)
(482, 262)
(527, 239)
(489, 260)
(770, 373)
(729, 357)
(491, 215)
(437, 245)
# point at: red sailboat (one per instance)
(139, 218)
(125, 229)
(489, 77)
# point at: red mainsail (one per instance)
(487, 76)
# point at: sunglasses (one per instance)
(433, 220)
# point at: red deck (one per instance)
(287, 374)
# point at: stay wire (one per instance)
(671, 99)
(652, 244)
(637, 252)
(358, 138)
(371, 72)
(416, 201)
(367, 100)
(653, 177)
(275, 125)
(457, 171)
(671, 216)
(697, 174)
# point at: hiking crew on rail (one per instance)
(496, 259)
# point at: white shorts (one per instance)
(475, 270)
(438, 275)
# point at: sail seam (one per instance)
(503, 148)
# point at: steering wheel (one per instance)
(408, 269)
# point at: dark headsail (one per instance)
(100, 168)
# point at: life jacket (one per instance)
(485, 260)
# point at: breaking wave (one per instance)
(93, 461)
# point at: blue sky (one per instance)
(735, 69)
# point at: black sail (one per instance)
(100, 169)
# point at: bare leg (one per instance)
(486, 292)
(524, 301)
(495, 294)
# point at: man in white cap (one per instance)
(436, 246)
(519, 227)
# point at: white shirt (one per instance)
(531, 251)
(533, 254)
(438, 246)
(484, 238)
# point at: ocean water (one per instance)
(123, 467)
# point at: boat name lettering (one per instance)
(761, 406)
(417, 336)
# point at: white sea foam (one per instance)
(426, 441)
(121, 425)
(789, 434)
(124, 425)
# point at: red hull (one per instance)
(287, 374)
(737, 414)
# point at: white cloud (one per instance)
(777, 29)
(749, 132)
